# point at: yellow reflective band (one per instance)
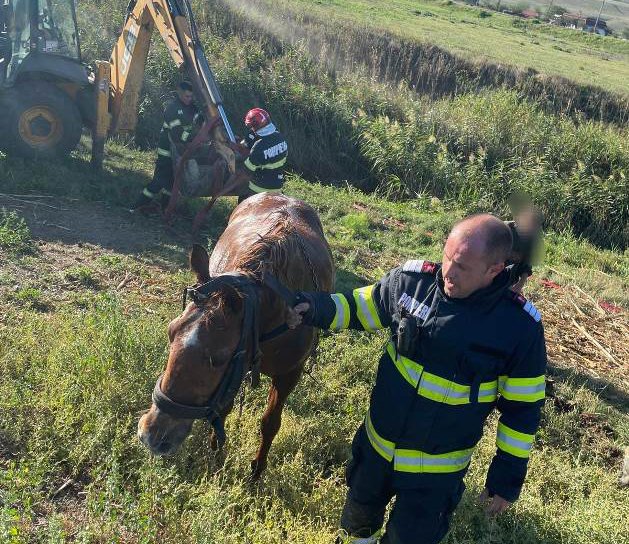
(441, 390)
(185, 135)
(175, 123)
(410, 370)
(165, 125)
(342, 315)
(366, 308)
(273, 165)
(163, 152)
(435, 387)
(522, 389)
(420, 462)
(343, 538)
(148, 193)
(514, 442)
(384, 447)
(416, 461)
(257, 189)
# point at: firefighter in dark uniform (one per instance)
(267, 154)
(462, 342)
(181, 117)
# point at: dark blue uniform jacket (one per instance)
(267, 160)
(428, 408)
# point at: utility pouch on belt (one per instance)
(408, 332)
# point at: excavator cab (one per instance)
(45, 92)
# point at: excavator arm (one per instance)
(119, 82)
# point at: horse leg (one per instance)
(281, 386)
(213, 439)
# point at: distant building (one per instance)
(580, 22)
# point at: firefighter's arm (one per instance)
(255, 159)
(180, 133)
(365, 308)
(520, 404)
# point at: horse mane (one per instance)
(273, 250)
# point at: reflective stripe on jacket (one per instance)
(266, 161)
(178, 126)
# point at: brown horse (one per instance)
(234, 310)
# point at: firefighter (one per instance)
(461, 343)
(267, 156)
(181, 117)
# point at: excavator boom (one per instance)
(175, 23)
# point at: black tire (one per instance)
(41, 121)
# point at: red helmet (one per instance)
(257, 118)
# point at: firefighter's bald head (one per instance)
(474, 254)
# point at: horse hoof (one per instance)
(256, 470)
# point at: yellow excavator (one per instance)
(47, 95)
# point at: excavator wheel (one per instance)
(41, 121)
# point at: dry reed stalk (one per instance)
(583, 336)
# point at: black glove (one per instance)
(309, 316)
(527, 239)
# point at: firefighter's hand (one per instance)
(242, 151)
(295, 315)
(495, 505)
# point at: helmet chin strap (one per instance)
(265, 131)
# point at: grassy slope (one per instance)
(550, 50)
(74, 377)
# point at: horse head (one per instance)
(210, 352)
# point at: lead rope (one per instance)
(314, 354)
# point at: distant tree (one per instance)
(555, 10)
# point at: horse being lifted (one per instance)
(235, 323)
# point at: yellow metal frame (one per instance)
(125, 74)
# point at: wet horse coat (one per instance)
(266, 233)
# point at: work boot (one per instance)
(142, 201)
(364, 537)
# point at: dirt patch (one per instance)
(75, 222)
(82, 248)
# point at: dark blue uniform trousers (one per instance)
(423, 506)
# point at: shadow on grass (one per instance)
(607, 391)
(347, 280)
(65, 201)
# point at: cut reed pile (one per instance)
(585, 334)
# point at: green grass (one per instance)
(501, 39)
(15, 236)
(74, 380)
(78, 362)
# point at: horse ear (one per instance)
(200, 263)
